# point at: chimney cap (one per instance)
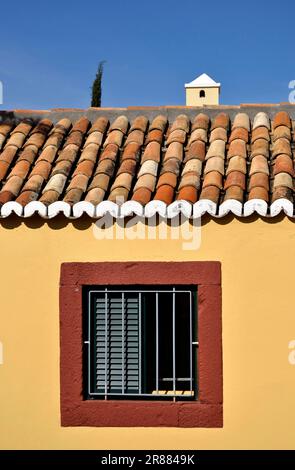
(203, 81)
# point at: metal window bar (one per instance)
(173, 379)
(106, 343)
(123, 343)
(157, 342)
(139, 343)
(173, 340)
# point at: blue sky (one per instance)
(49, 51)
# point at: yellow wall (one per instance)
(193, 98)
(258, 323)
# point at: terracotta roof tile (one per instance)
(167, 178)
(283, 163)
(73, 196)
(165, 193)
(101, 181)
(178, 135)
(41, 168)
(283, 179)
(181, 123)
(13, 184)
(214, 164)
(239, 133)
(218, 134)
(260, 132)
(155, 135)
(140, 123)
(237, 148)
(193, 165)
(259, 165)
(34, 184)
(188, 193)
(95, 196)
(127, 166)
(241, 120)
(216, 149)
(105, 166)
(210, 192)
(135, 136)
(281, 146)
(234, 192)
(201, 121)
(143, 158)
(132, 150)
(237, 163)
(114, 137)
(282, 192)
(282, 132)
(152, 152)
(146, 181)
(221, 120)
(119, 195)
(49, 197)
(159, 122)
(26, 196)
(190, 179)
(142, 195)
(260, 147)
(214, 178)
(260, 180)
(261, 119)
(120, 123)
(281, 119)
(173, 165)
(110, 152)
(235, 178)
(175, 150)
(258, 193)
(84, 168)
(149, 166)
(196, 150)
(99, 125)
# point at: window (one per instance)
(202, 94)
(140, 342)
(178, 386)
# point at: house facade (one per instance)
(147, 288)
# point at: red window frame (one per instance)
(207, 410)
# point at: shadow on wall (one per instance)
(84, 223)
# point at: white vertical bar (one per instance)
(157, 342)
(191, 342)
(173, 339)
(123, 344)
(106, 342)
(139, 341)
(89, 336)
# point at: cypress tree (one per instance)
(96, 86)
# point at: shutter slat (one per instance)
(112, 356)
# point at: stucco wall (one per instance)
(258, 324)
(193, 96)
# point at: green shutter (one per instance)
(117, 342)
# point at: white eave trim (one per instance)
(282, 204)
(12, 206)
(131, 208)
(230, 206)
(255, 205)
(204, 206)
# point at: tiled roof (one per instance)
(238, 160)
